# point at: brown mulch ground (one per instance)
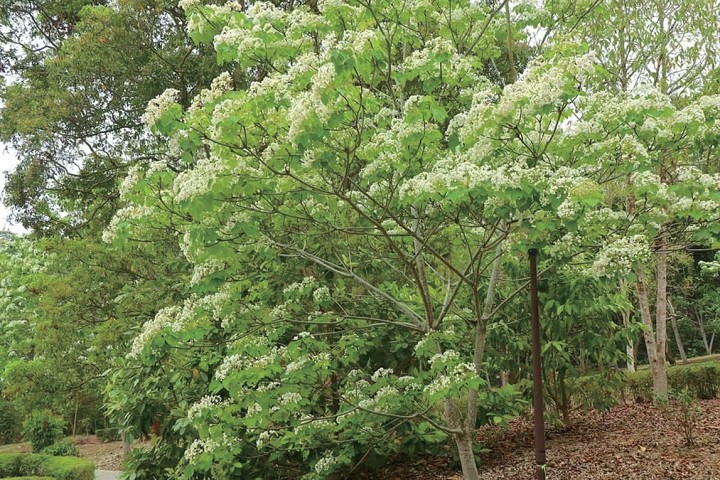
(630, 442)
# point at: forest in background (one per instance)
(290, 238)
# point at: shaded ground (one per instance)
(633, 442)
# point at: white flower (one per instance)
(220, 85)
(204, 403)
(290, 398)
(132, 212)
(189, 4)
(202, 270)
(326, 463)
(133, 176)
(322, 295)
(198, 180)
(264, 437)
(254, 409)
(620, 254)
(165, 318)
(295, 366)
(381, 373)
(158, 105)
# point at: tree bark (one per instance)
(630, 347)
(656, 356)
(464, 444)
(504, 378)
(676, 331)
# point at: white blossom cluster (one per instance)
(134, 175)
(158, 105)
(242, 39)
(266, 12)
(208, 445)
(264, 437)
(464, 172)
(308, 422)
(307, 282)
(242, 361)
(621, 254)
(296, 365)
(208, 401)
(165, 318)
(189, 4)
(220, 85)
(125, 214)
(381, 373)
(456, 376)
(202, 270)
(198, 180)
(326, 463)
(322, 294)
(544, 84)
(359, 41)
(289, 398)
(446, 358)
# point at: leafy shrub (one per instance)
(69, 468)
(702, 381)
(42, 429)
(108, 434)
(155, 462)
(10, 423)
(683, 410)
(599, 392)
(45, 466)
(63, 448)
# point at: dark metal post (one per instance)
(538, 406)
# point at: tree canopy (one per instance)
(316, 216)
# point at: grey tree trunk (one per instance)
(656, 352)
(676, 331)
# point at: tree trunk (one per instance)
(74, 427)
(564, 402)
(505, 378)
(630, 350)
(703, 333)
(712, 340)
(656, 355)
(464, 444)
(126, 443)
(661, 306)
(676, 331)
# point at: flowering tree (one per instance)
(347, 215)
(372, 157)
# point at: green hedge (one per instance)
(57, 468)
(701, 379)
(602, 391)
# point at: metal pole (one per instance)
(538, 406)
